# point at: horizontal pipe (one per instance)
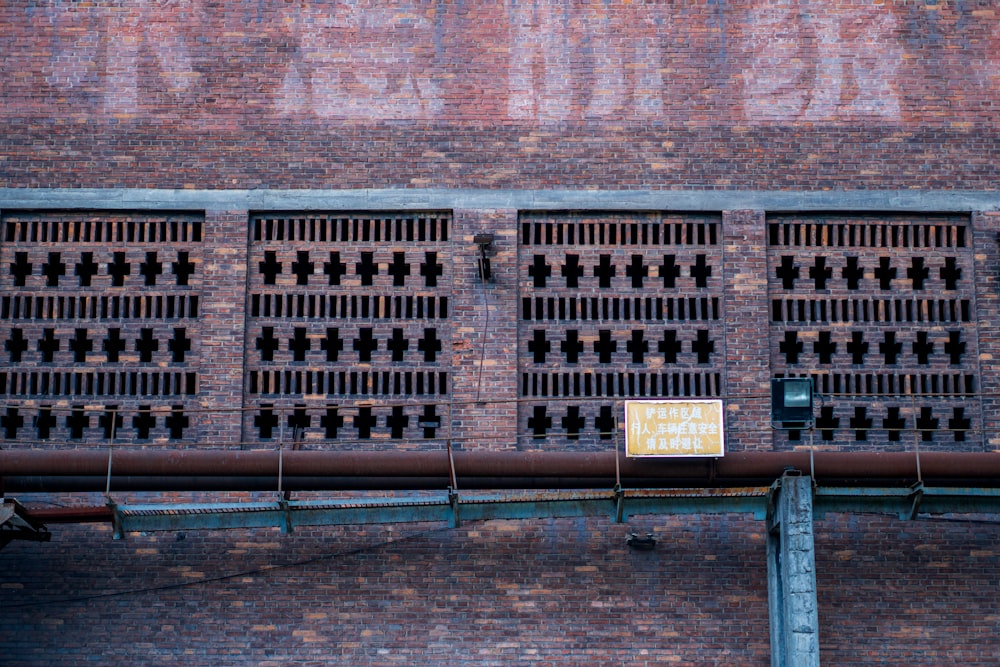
(88, 514)
(86, 484)
(474, 467)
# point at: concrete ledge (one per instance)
(538, 200)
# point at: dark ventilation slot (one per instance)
(870, 235)
(616, 384)
(365, 229)
(627, 233)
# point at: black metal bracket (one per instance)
(16, 524)
(485, 243)
(640, 542)
(619, 504)
(116, 520)
(454, 500)
(916, 497)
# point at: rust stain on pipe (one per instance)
(733, 469)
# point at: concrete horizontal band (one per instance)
(528, 200)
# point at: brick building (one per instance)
(243, 228)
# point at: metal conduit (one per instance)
(140, 470)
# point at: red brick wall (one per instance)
(615, 96)
(479, 94)
(892, 592)
(548, 592)
(551, 592)
(879, 311)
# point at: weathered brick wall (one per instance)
(614, 307)
(404, 93)
(548, 94)
(880, 312)
(343, 310)
(556, 592)
(354, 329)
(907, 594)
(102, 315)
(552, 592)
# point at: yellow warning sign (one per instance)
(674, 428)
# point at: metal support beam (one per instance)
(907, 503)
(791, 574)
(620, 504)
(17, 524)
(449, 508)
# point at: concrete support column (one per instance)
(747, 379)
(791, 575)
(223, 324)
(484, 382)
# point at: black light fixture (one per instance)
(792, 402)
(485, 243)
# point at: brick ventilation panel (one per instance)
(100, 327)
(614, 307)
(348, 330)
(880, 312)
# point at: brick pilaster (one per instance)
(484, 385)
(223, 323)
(986, 257)
(747, 364)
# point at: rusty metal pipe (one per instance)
(87, 484)
(89, 514)
(737, 469)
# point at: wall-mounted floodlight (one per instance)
(485, 243)
(792, 402)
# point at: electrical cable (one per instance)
(260, 571)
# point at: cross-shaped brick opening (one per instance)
(852, 273)
(267, 343)
(302, 268)
(144, 421)
(53, 269)
(572, 271)
(119, 269)
(604, 271)
(399, 269)
(335, 269)
(431, 269)
(86, 268)
(366, 268)
(604, 346)
(573, 423)
(150, 269)
(20, 268)
(183, 268)
(670, 271)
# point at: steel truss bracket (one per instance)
(455, 519)
(287, 526)
(772, 524)
(916, 497)
(15, 524)
(619, 504)
(116, 520)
